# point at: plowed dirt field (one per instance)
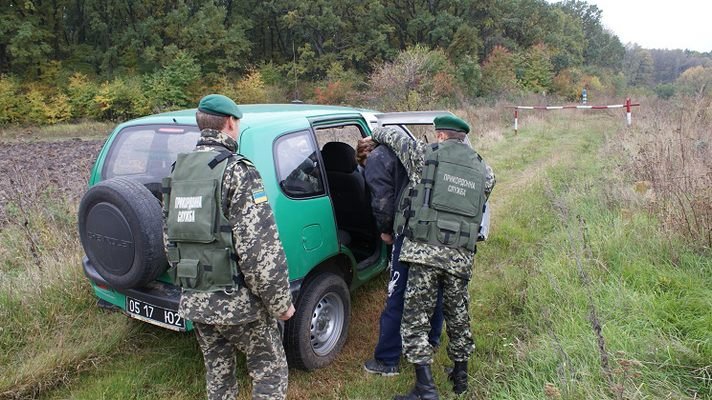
(29, 169)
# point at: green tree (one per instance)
(25, 41)
(638, 66)
(169, 88)
(204, 30)
(601, 48)
(418, 78)
(527, 22)
(469, 75)
(498, 72)
(536, 70)
(347, 32)
(696, 81)
(565, 40)
(465, 42)
(12, 103)
(81, 96)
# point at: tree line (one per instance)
(109, 38)
(116, 59)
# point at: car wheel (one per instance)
(317, 331)
(121, 230)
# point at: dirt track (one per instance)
(29, 169)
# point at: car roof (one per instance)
(263, 116)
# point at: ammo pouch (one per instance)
(200, 249)
(445, 208)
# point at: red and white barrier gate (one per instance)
(627, 105)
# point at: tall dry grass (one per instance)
(669, 150)
(45, 301)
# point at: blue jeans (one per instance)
(389, 346)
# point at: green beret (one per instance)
(217, 104)
(450, 123)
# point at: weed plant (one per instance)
(669, 152)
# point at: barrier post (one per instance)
(628, 105)
(628, 116)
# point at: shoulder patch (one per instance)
(259, 196)
(244, 160)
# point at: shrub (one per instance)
(469, 75)
(58, 109)
(335, 92)
(339, 88)
(81, 96)
(11, 102)
(418, 78)
(665, 90)
(121, 99)
(669, 153)
(271, 74)
(536, 69)
(695, 81)
(169, 88)
(570, 82)
(36, 100)
(250, 89)
(498, 72)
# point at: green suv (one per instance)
(305, 154)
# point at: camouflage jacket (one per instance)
(411, 154)
(257, 245)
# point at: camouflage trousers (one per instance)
(266, 362)
(420, 298)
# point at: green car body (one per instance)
(307, 224)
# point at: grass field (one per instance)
(578, 294)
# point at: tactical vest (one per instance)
(445, 208)
(200, 244)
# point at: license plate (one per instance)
(154, 315)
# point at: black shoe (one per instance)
(458, 377)
(424, 388)
(374, 366)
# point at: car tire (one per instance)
(121, 230)
(317, 332)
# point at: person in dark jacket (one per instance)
(386, 178)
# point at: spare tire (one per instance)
(121, 230)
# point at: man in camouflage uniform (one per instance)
(243, 318)
(386, 179)
(430, 266)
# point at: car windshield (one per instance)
(148, 150)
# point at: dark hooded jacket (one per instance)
(386, 178)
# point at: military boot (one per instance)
(424, 388)
(458, 377)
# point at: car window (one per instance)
(148, 150)
(425, 133)
(297, 165)
(349, 134)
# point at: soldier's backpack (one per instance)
(200, 246)
(446, 207)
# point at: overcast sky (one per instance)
(660, 24)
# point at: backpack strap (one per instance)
(222, 156)
(428, 178)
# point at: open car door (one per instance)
(410, 122)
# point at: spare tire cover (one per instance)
(121, 230)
